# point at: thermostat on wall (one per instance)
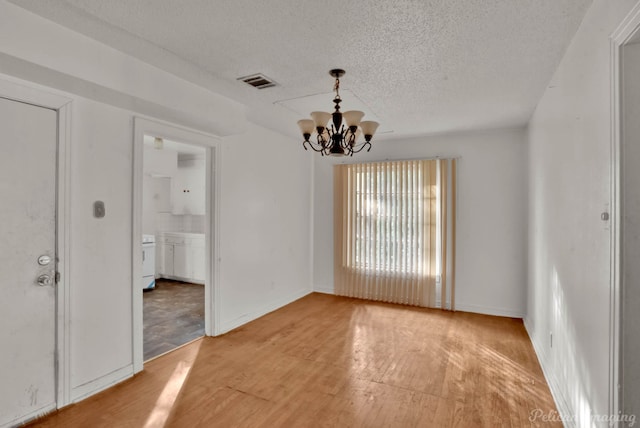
(98, 209)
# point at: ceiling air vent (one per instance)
(259, 81)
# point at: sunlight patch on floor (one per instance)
(162, 408)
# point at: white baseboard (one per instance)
(182, 279)
(85, 390)
(265, 309)
(567, 415)
(487, 310)
(29, 417)
(324, 290)
(459, 307)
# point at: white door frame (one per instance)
(26, 92)
(172, 132)
(628, 28)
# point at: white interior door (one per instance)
(28, 147)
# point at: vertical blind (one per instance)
(391, 224)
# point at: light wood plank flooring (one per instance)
(327, 361)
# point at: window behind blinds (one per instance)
(388, 224)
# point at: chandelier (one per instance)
(340, 138)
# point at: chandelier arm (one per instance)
(322, 142)
(359, 149)
(309, 144)
(350, 138)
(331, 131)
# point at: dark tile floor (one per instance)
(173, 316)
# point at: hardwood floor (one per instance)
(173, 316)
(327, 361)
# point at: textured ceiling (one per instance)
(421, 67)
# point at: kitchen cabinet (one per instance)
(182, 256)
(160, 163)
(188, 187)
(182, 266)
(157, 194)
(166, 258)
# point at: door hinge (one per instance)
(57, 277)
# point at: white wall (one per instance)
(569, 187)
(100, 278)
(491, 223)
(266, 184)
(264, 247)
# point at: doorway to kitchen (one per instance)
(173, 227)
(174, 231)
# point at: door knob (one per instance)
(44, 280)
(44, 260)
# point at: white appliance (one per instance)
(148, 262)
